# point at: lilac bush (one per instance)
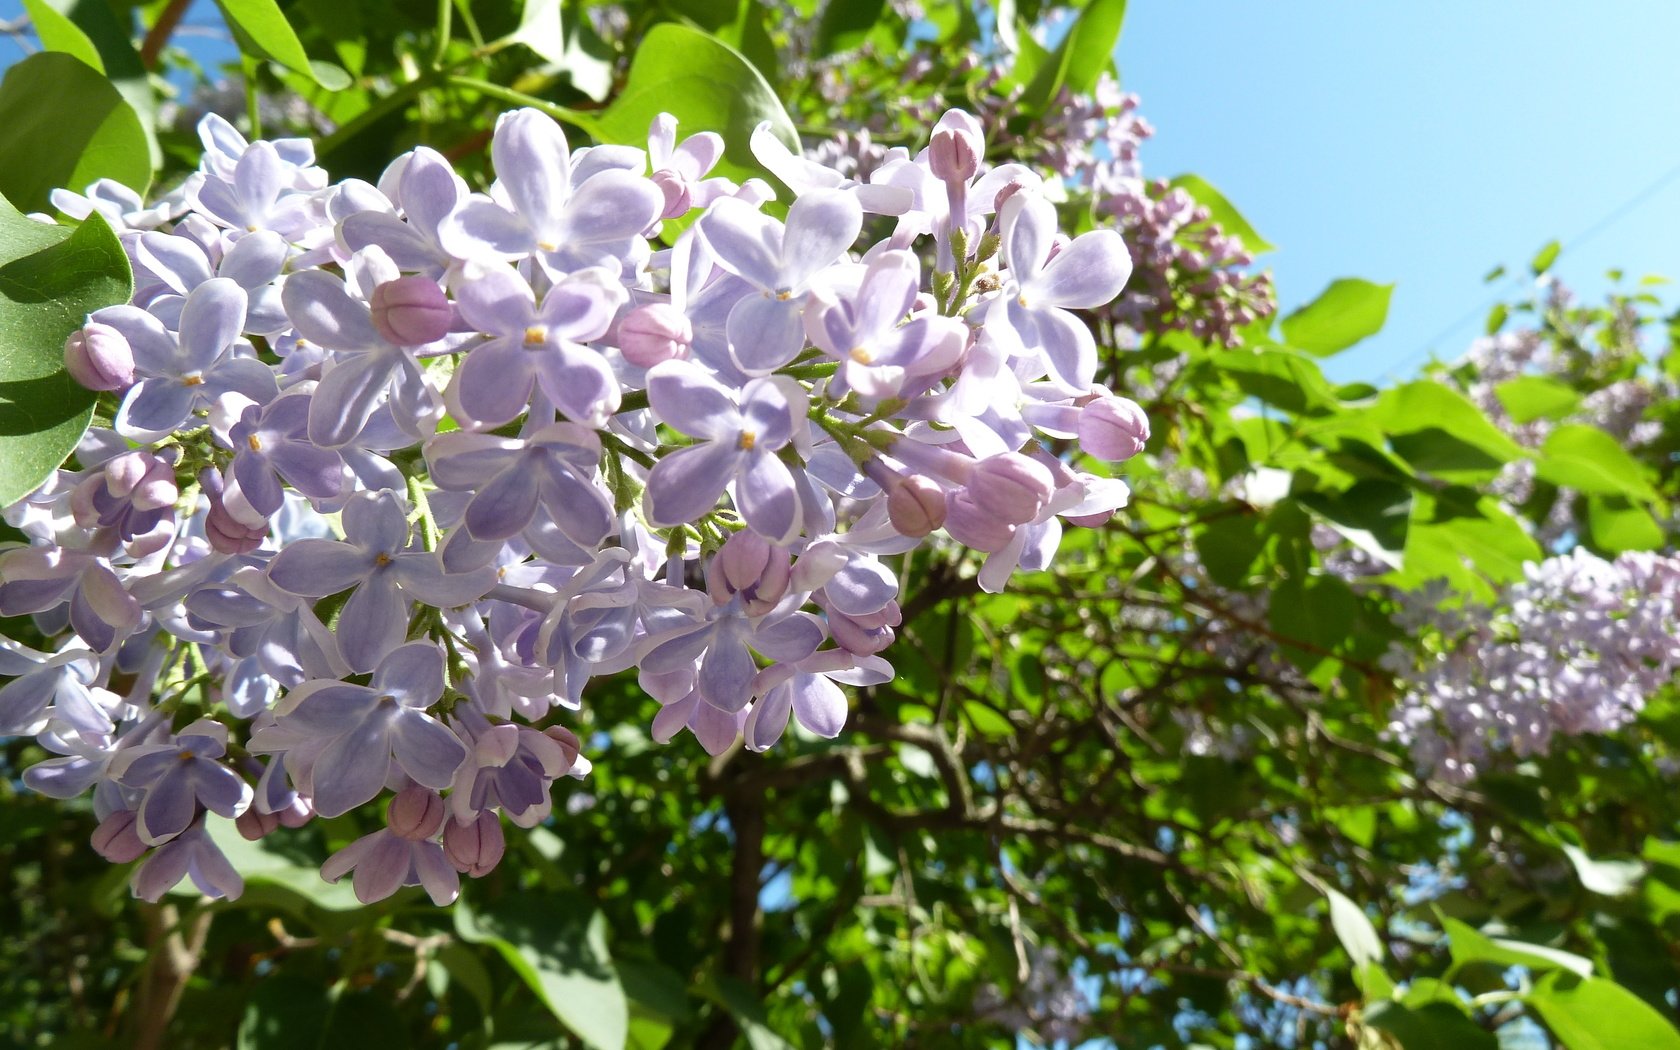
(393, 471)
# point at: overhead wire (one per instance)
(1615, 215)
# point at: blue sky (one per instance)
(1421, 143)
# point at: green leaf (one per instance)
(1359, 938)
(707, 86)
(1431, 1026)
(1589, 460)
(1438, 429)
(1319, 611)
(558, 946)
(1349, 310)
(1223, 212)
(742, 1004)
(59, 33)
(1374, 515)
(66, 126)
(284, 1013)
(90, 31)
(263, 32)
(1457, 526)
(1592, 1013)
(1614, 524)
(1228, 546)
(1528, 398)
(844, 25)
(51, 278)
(1611, 878)
(1470, 947)
(1080, 58)
(1545, 257)
(1277, 376)
(282, 864)
(1496, 318)
(540, 30)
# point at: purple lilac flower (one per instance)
(374, 559)
(740, 438)
(184, 372)
(365, 729)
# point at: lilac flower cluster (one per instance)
(1190, 274)
(1576, 647)
(396, 469)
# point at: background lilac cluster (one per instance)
(394, 470)
(1577, 647)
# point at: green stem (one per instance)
(379, 111)
(519, 98)
(445, 16)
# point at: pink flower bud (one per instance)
(98, 357)
(973, 527)
(1012, 486)
(653, 333)
(410, 311)
(145, 480)
(865, 635)
(226, 533)
(568, 742)
(951, 156)
(1090, 521)
(748, 566)
(678, 198)
(253, 824)
(916, 506)
(476, 847)
(115, 838)
(415, 813)
(1113, 428)
(1010, 189)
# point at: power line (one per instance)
(1614, 216)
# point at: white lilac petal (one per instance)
(1089, 273)
(315, 568)
(818, 704)
(372, 623)
(426, 749)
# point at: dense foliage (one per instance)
(1355, 728)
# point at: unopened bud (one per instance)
(476, 847)
(568, 742)
(750, 567)
(1113, 428)
(98, 357)
(956, 147)
(916, 506)
(226, 533)
(1010, 189)
(145, 480)
(410, 311)
(415, 813)
(1012, 486)
(653, 333)
(254, 824)
(678, 198)
(115, 838)
(865, 635)
(951, 157)
(974, 527)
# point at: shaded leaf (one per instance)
(51, 278)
